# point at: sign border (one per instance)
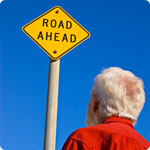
(23, 28)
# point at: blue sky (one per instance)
(120, 36)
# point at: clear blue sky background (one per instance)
(120, 36)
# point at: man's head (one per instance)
(116, 92)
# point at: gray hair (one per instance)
(119, 93)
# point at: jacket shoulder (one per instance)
(90, 135)
(122, 142)
(101, 135)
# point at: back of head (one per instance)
(119, 93)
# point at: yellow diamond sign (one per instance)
(56, 32)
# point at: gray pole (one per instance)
(51, 107)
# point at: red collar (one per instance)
(118, 119)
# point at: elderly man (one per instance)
(116, 102)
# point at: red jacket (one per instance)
(114, 134)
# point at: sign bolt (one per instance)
(57, 12)
(54, 51)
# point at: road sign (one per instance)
(56, 32)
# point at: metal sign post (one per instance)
(57, 33)
(51, 108)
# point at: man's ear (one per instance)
(95, 103)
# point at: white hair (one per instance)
(119, 93)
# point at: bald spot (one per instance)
(130, 85)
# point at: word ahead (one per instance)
(56, 32)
